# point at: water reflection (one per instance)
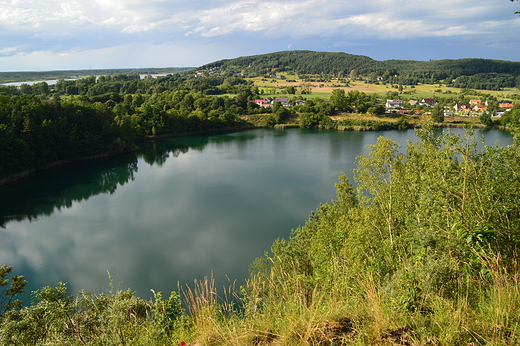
(194, 205)
(49, 191)
(157, 152)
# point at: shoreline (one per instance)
(27, 173)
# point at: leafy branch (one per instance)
(517, 12)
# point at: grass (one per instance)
(293, 314)
(273, 87)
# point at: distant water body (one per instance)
(54, 81)
(48, 81)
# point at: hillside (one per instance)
(491, 74)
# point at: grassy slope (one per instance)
(324, 89)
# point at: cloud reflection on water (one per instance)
(187, 212)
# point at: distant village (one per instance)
(284, 101)
(474, 108)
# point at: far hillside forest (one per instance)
(461, 73)
(421, 248)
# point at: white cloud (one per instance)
(8, 50)
(62, 26)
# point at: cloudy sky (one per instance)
(40, 35)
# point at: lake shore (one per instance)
(27, 173)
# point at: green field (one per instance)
(276, 87)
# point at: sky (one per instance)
(43, 35)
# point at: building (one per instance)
(480, 108)
(283, 100)
(505, 104)
(430, 101)
(394, 103)
(462, 107)
(263, 103)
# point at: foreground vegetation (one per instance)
(421, 249)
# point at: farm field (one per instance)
(276, 87)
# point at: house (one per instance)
(430, 101)
(263, 103)
(283, 100)
(475, 102)
(480, 108)
(394, 103)
(462, 107)
(505, 105)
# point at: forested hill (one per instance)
(300, 62)
(310, 62)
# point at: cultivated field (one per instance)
(276, 87)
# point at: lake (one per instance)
(177, 210)
(54, 81)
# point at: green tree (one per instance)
(492, 107)
(339, 100)
(485, 118)
(376, 110)
(438, 113)
(305, 88)
(11, 288)
(138, 100)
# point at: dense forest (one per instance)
(42, 124)
(420, 249)
(485, 73)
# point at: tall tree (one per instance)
(339, 101)
(438, 113)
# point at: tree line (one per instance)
(406, 72)
(42, 124)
